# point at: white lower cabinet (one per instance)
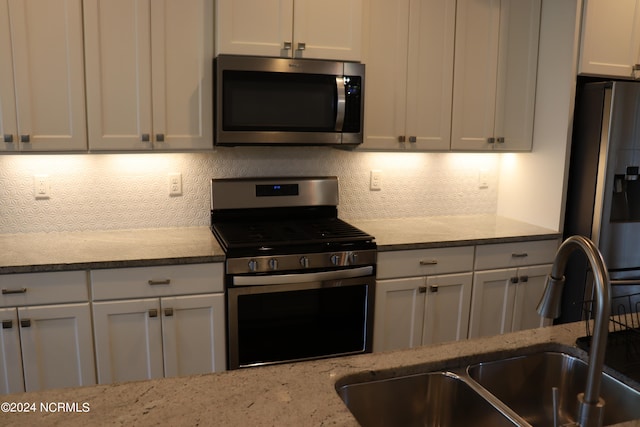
(509, 280)
(505, 300)
(167, 333)
(45, 346)
(425, 309)
(444, 294)
(421, 310)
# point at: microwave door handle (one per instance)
(342, 101)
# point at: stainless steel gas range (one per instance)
(299, 281)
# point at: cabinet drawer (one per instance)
(423, 262)
(515, 254)
(141, 282)
(43, 288)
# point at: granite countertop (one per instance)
(438, 231)
(295, 394)
(79, 250)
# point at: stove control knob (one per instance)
(335, 259)
(304, 262)
(353, 258)
(252, 264)
(273, 264)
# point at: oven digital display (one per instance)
(273, 190)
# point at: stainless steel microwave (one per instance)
(279, 101)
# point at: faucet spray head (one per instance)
(549, 305)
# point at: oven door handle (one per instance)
(285, 279)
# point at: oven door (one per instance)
(308, 319)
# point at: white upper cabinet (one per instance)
(328, 29)
(149, 74)
(408, 51)
(496, 57)
(610, 44)
(42, 100)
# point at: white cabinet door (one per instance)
(56, 346)
(182, 74)
(149, 74)
(45, 110)
(399, 313)
(328, 29)
(118, 69)
(496, 52)
(531, 284)
(193, 334)
(408, 49)
(475, 73)
(11, 374)
(610, 43)
(254, 27)
(128, 340)
(492, 301)
(446, 314)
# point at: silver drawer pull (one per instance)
(26, 323)
(433, 289)
(159, 282)
(14, 291)
(422, 289)
(168, 312)
(520, 255)
(153, 312)
(429, 262)
(7, 324)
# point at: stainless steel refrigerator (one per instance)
(603, 199)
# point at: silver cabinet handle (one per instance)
(514, 280)
(26, 323)
(153, 312)
(25, 138)
(287, 45)
(524, 279)
(433, 289)
(413, 139)
(8, 137)
(14, 291)
(422, 289)
(519, 255)
(301, 46)
(145, 137)
(491, 140)
(159, 282)
(7, 324)
(500, 140)
(168, 312)
(429, 262)
(402, 138)
(160, 137)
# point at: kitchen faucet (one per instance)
(590, 405)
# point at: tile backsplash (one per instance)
(124, 191)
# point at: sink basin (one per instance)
(430, 399)
(524, 384)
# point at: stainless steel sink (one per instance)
(502, 392)
(430, 399)
(525, 385)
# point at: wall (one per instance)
(124, 191)
(535, 190)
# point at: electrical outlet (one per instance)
(482, 179)
(41, 187)
(376, 180)
(175, 184)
